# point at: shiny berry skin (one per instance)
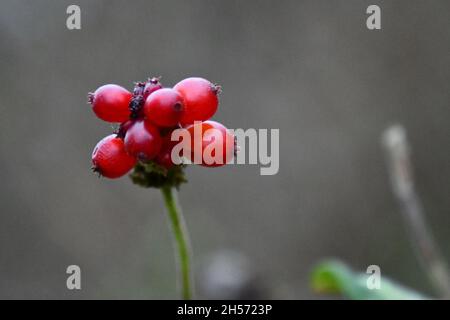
(208, 140)
(110, 159)
(151, 86)
(164, 107)
(200, 99)
(143, 140)
(111, 103)
(123, 128)
(164, 158)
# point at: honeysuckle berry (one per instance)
(164, 107)
(140, 93)
(143, 140)
(207, 137)
(110, 159)
(110, 103)
(123, 128)
(164, 157)
(200, 99)
(148, 117)
(151, 86)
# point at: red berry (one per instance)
(110, 159)
(200, 99)
(123, 128)
(164, 107)
(164, 158)
(151, 86)
(143, 140)
(219, 138)
(111, 103)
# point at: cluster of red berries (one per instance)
(147, 118)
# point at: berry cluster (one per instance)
(147, 118)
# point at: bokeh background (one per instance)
(308, 68)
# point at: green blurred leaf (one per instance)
(334, 277)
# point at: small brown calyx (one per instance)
(90, 98)
(154, 80)
(97, 171)
(217, 89)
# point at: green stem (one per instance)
(181, 239)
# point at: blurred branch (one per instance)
(402, 180)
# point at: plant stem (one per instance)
(182, 241)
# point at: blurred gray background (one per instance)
(309, 68)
